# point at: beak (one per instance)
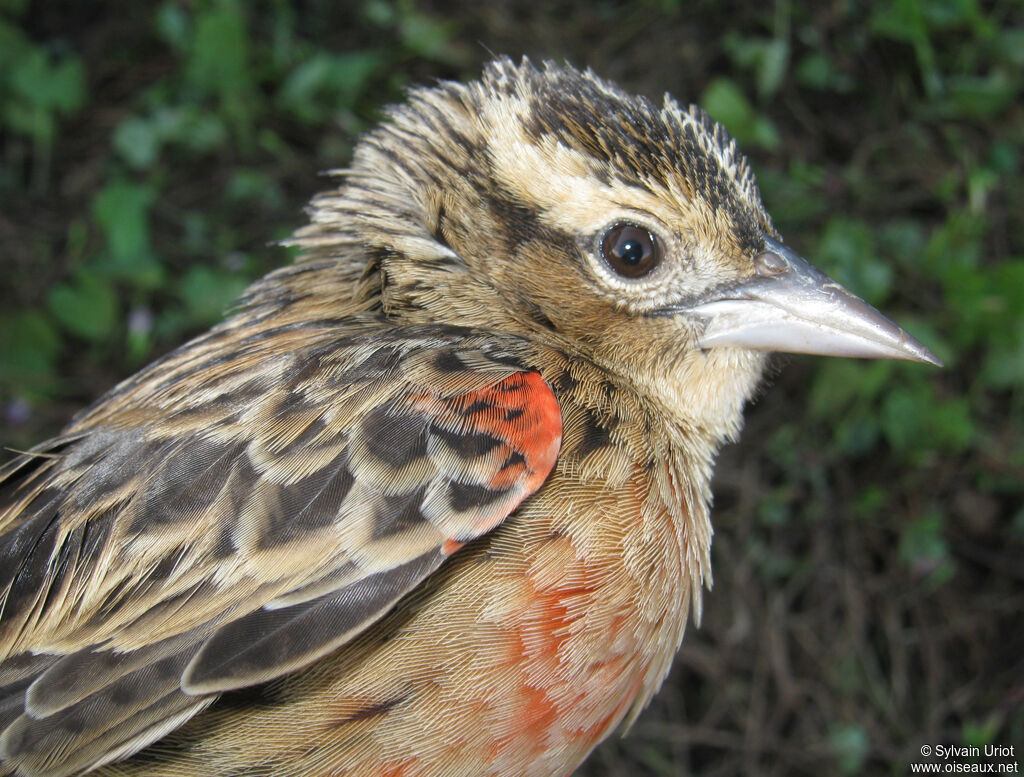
(791, 306)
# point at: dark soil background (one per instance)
(869, 526)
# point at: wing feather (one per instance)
(269, 642)
(178, 544)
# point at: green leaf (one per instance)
(122, 210)
(978, 733)
(58, 86)
(172, 25)
(86, 307)
(845, 394)
(977, 98)
(67, 85)
(924, 549)
(1010, 45)
(1004, 157)
(29, 347)
(905, 415)
(192, 127)
(817, 71)
(903, 241)
(41, 88)
(840, 383)
(956, 244)
(15, 46)
(858, 435)
(250, 185)
(774, 62)
(870, 500)
(904, 20)
(1004, 363)
(207, 293)
(773, 509)
(219, 54)
(32, 120)
(425, 35)
(379, 12)
(325, 84)
(950, 14)
(727, 103)
(1002, 326)
(916, 422)
(953, 424)
(848, 253)
(794, 195)
(137, 141)
(851, 746)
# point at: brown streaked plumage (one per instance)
(433, 499)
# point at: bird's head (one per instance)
(552, 204)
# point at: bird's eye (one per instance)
(631, 250)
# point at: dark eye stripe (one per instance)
(631, 250)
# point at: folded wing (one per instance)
(219, 541)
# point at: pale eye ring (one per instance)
(631, 250)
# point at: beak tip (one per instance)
(930, 358)
(916, 351)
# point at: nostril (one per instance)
(770, 264)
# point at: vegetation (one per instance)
(869, 526)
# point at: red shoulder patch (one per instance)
(522, 411)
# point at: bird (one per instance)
(433, 499)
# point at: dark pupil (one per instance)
(631, 250)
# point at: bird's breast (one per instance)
(551, 630)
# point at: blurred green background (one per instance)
(870, 528)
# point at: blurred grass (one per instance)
(870, 526)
